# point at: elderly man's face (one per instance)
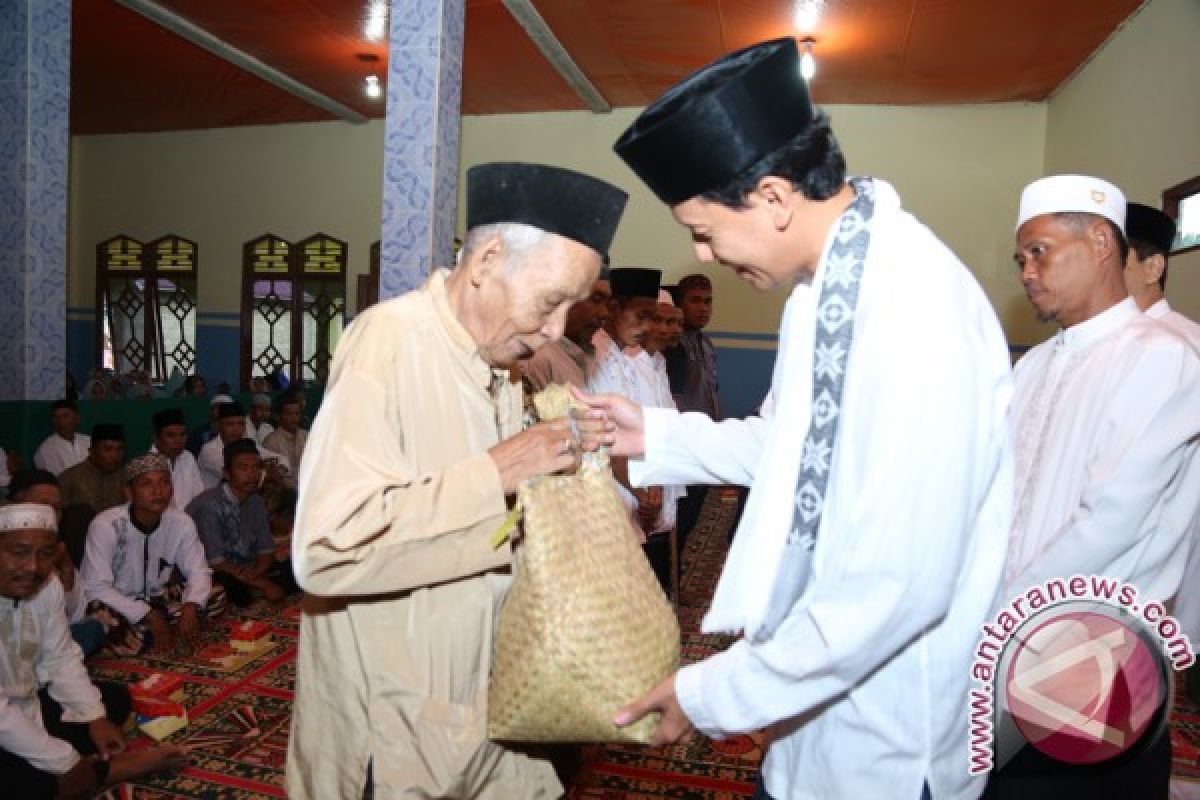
(26, 558)
(1058, 268)
(525, 306)
(668, 326)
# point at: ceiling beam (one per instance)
(240, 58)
(541, 35)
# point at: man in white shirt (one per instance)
(170, 439)
(873, 538)
(57, 737)
(1105, 418)
(132, 552)
(289, 438)
(231, 427)
(258, 427)
(64, 448)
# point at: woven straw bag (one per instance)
(586, 628)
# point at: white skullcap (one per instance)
(218, 399)
(27, 516)
(665, 299)
(1072, 193)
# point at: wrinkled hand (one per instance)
(540, 450)
(612, 421)
(106, 736)
(674, 725)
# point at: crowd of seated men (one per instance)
(126, 556)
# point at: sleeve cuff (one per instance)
(654, 436)
(689, 691)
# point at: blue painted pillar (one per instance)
(35, 74)
(424, 98)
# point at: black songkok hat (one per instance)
(227, 410)
(107, 431)
(239, 447)
(560, 201)
(1149, 225)
(719, 121)
(635, 282)
(168, 416)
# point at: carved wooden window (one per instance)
(146, 299)
(1182, 204)
(293, 306)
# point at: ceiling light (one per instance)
(808, 64)
(372, 88)
(375, 26)
(807, 13)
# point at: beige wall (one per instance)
(1132, 115)
(959, 169)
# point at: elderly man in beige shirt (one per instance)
(417, 445)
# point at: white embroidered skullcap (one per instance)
(218, 399)
(27, 516)
(665, 299)
(1072, 193)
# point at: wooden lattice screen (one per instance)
(146, 301)
(293, 306)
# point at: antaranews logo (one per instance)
(1075, 667)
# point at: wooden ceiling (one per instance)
(129, 74)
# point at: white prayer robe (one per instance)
(56, 454)
(122, 566)
(1105, 419)
(866, 679)
(37, 649)
(186, 482)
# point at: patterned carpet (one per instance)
(239, 711)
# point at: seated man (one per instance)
(233, 525)
(289, 438)
(97, 482)
(39, 486)
(129, 563)
(170, 439)
(64, 448)
(59, 737)
(231, 427)
(258, 425)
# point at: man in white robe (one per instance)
(57, 738)
(417, 444)
(230, 424)
(1151, 233)
(170, 439)
(860, 603)
(1105, 418)
(64, 448)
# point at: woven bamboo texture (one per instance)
(586, 628)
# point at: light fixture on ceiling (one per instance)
(375, 25)
(807, 14)
(808, 64)
(372, 88)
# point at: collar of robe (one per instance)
(1090, 331)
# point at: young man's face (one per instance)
(259, 414)
(26, 558)
(589, 315)
(230, 429)
(171, 440)
(108, 454)
(289, 417)
(697, 308)
(245, 473)
(150, 492)
(631, 321)
(65, 422)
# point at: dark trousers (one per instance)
(18, 778)
(241, 594)
(658, 552)
(687, 513)
(1144, 774)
